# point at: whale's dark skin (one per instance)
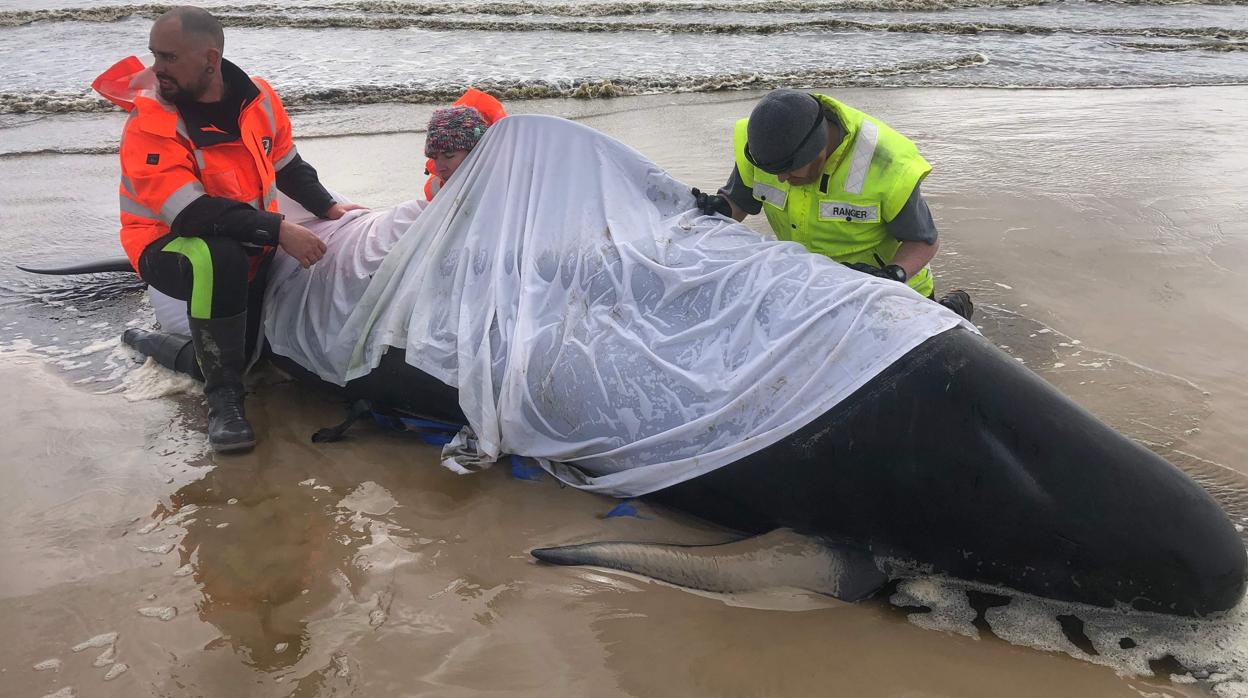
(960, 460)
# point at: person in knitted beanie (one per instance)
(453, 133)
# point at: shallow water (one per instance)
(1102, 242)
(363, 568)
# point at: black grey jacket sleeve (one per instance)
(298, 180)
(215, 215)
(914, 221)
(738, 193)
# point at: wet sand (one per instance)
(1101, 239)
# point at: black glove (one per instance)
(868, 269)
(710, 204)
(892, 272)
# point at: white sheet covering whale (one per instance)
(590, 317)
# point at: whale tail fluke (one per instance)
(567, 555)
(781, 558)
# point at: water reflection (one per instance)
(264, 550)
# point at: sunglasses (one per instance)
(785, 165)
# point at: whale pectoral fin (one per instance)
(859, 576)
(781, 558)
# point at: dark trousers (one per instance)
(211, 274)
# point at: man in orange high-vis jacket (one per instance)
(441, 165)
(203, 154)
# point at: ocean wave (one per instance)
(343, 12)
(62, 103)
(117, 13)
(64, 150)
(956, 28)
(627, 86)
(1219, 46)
(51, 103)
(736, 28)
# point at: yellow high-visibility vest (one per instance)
(865, 182)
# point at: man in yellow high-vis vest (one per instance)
(840, 182)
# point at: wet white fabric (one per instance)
(306, 311)
(592, 319)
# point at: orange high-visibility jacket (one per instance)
(162, 171)
(491, 110)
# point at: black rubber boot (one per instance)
(220, 346)
(173, 351)
(958, 301)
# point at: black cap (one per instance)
(784, 131)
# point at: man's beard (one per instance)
(172, 93)
(177, 92)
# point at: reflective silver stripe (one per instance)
(176, 202)
(860, 161)
(181, 129)
(134, 208)
(769, 194)
(286, 159)
(199, 159)
(256, 204)
(268, 108)
(269, 196)
(129, 186)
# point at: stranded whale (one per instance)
(955, 460)
(562, 298)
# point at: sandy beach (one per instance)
(1102, 234)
